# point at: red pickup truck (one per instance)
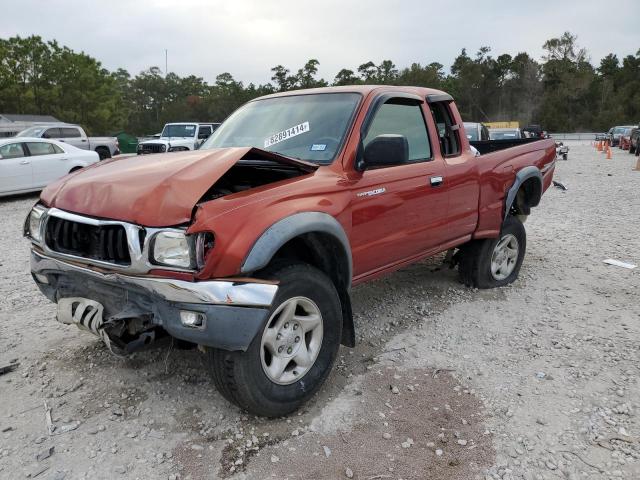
(249, 246)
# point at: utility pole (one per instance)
(166, 56)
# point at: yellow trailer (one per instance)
(502, 124)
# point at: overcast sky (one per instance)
(248, 37)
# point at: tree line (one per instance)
(562, 92)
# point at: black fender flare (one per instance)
(522, 176)
(291, 227)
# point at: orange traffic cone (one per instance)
(599, 146)
(608, 152)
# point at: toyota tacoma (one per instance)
(249, 247)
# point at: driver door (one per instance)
(399, 210)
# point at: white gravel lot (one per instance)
(538, 380)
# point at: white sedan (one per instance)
(29, 164)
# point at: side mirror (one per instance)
(387, 149)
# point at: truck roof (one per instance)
(362, 89)
(192, 123)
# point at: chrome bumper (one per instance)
(211, 292)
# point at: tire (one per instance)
(631, 149)
(475, 258)
(103, 153)
(243, 378)
(564, 156)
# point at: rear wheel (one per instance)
(103, 153)
(291, 358)
(494, 262)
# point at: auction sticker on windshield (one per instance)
(286, 134)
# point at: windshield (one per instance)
(503, 134)
(31, 132)
(307, 127)
(471, 130)
(179, 131)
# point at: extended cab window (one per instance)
(447, 130)
(402, 119)
(69, 133)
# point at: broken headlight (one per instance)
(33, 223)
(172, 248)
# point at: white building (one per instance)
(11, 124)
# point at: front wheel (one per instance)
(494, 262)
(292, 356)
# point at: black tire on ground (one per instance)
(103, 152)
(475, 257)
(240, 376)
(565, 156)
(631, 149)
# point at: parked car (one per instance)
(476, 131)
(105, 147)
(533, 131)
(562, 151)
(504, 133)
(634, 139)
(29, 164)
(601, 137)
(249, 246)
(625, 139)
(178, 137)
(614, 134)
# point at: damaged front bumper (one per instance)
(229, 312)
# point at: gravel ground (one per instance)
(538, 380)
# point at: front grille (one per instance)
(107, 243)
(152, 148)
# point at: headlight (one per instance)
(172, 248)
(34, 221)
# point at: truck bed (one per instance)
(488, 146)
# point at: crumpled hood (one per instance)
(151, 190)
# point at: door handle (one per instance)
(25, 162)
(64, 159)
(83, 140)
(436, 181)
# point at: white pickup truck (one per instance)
(178, 137)
(105, 147)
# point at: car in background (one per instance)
(178, 137)
(476, 131)
(614, 134)
(505, 133)
(634, 139)
(625, 139)
(601, 137)
(30, 164)
(533, 131)
(105, 147)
